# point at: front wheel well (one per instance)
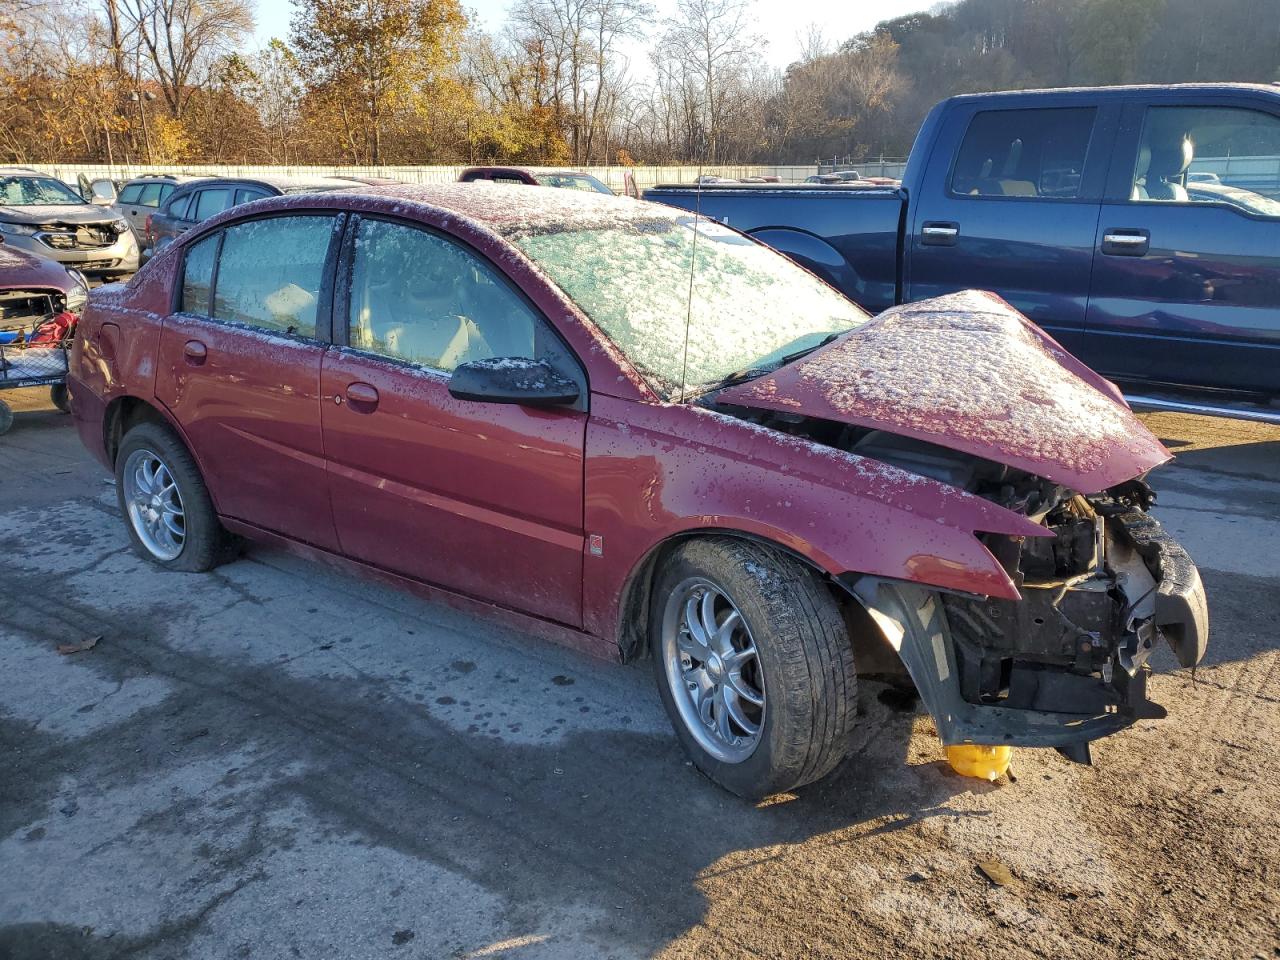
(634, 606)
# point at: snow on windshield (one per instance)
(35, 191)
(635, 277)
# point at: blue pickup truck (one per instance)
(1140, 226)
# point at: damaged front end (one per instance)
(1067, 663)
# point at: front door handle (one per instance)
(1126, 242)
(195, 352)
(939, 233)
(363, 397)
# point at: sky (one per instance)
(782, 22)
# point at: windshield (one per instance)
(747, 306)
(570, 181)
(30, 191)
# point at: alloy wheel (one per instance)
(713, 670)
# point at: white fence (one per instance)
(613, 176)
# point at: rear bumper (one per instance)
(88, 411)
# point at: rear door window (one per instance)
(270, 273)
(1024, 153)
(178, 207)
(209, 202)
(197, 276)
(150, 195)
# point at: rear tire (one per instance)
(165, 503)
(6, 417)
(793, 648)
(61, 397)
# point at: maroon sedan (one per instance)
(518, 400)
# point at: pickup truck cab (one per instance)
(1091, 210)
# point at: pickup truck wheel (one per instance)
(165, 502)
(753, 664)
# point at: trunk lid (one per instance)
(967, 371)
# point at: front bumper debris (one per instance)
(1066, 664)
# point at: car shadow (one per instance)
(613, 826)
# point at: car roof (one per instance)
(1152, 90)
(282, 184)
(171, 177)
(507, 210)
(24, 171)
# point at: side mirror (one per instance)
(531, 383)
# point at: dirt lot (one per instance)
(276, 760)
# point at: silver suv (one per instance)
(42, 215)
(141, 196)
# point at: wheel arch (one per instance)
(123, 412)
(637, 589)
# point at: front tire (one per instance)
(165, 503)
(754, 665)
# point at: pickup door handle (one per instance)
(1123, 242)
(937, 233)
(363, 397)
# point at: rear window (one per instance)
(197, 276)
(1024, 153)
(270, 271)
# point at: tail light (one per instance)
(146, 230)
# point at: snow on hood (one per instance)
(41, 213)
(20, 270)
(968, 372)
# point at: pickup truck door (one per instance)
(1186, 280)
(1009, 202)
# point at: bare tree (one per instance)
(571, 47)
(178, 41)
(703, 55)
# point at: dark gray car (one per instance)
(42, 215)
(193, 202)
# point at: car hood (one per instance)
(22, 271)
(968, 372)
(57, 213)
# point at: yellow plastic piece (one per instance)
(974, 760)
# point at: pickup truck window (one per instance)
(1224, 155)
(1024, 153)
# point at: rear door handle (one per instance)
(1126, 242)
(939, 233)
(195, 352)
(363, 397)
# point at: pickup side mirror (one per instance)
(531, 383)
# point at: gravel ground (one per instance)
(278, 760)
